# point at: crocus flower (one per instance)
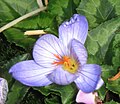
(60, 60)
(3, 90)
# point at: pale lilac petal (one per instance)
(78, 51)
(100, 83)
(76, 28)
(87, 98)
(62, 77)
(45, 50)
(31, 74)
(88, 78)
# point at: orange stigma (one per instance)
(68, 63)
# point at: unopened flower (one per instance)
(60, 60)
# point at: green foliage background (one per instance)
(103, 46)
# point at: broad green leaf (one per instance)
(17, 36)
(68, 92)
(12, 9)
(53, 100)
(43, 90)
(116, 58)
(16, 93)
(98, 11)
(6, 12)
(49, 96)
(114, 86)
(116, 50)
(22, 6)
(108, 72)
(42, 21)
(100, 37)
(111, 102)
(95, 59)
(6, 66)
(63, 9)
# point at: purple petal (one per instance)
(78, 51)
(100, 83)
(76, 28)
(88, 78)
(31, 74)
(45, 50)
(61, 77)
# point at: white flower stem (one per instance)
(10, 24)
(40, 4)
(46, 2)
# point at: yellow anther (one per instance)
(69, 64)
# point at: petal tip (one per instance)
(78, 17)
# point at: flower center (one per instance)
(69, 64)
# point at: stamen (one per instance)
(58, 57)
(69, 64)
(59, 62)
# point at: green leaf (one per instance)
(16, 93)
(42, 21)
(63, 9)
(111, 102)
(43, 90)
(100, 37)
(22, 6)
(12, 9)
(68, 92)
(49, 96)
(108, 72)
(116, 50)
(17, 36)
(98, 11)
(53, 100)
(114, 86)
(6, 13)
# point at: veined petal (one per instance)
(100, 83)
(88, 78)
(78, 51)
(30, 73)
(76, 28)
(45, 50)
(61, 77)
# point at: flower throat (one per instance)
(69, 64)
